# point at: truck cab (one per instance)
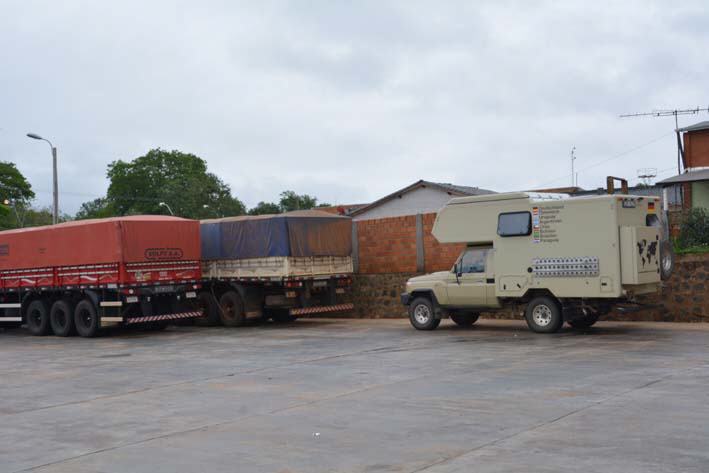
(552, 257)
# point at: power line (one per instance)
(616, 156)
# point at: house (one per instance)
(421, 197)
(693, 183)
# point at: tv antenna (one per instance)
(646, 175)
(669, 113)
(573, 158)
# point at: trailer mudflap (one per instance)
(164, 317)
(321, 309)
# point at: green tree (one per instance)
(291, 201)
(97, 208)
(15, 195)
(180, 180)
(263, 208)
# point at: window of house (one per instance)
(514, 224)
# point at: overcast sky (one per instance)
(348, 100)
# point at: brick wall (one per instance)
(388, 245)
(437, 256)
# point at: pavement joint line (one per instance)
(376, 350)
(330, 398)
(386, 349)
(220, 424)
(550, 422)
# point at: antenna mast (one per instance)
(674, 113)
(573, 158)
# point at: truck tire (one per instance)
(231, 309)
(86, 319)
(61, 318)
(584, 322)
(465, 319)
(667, 260)
(543, 315)
(422, 315)
(209, 304)
(38, 318)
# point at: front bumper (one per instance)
(405, 298)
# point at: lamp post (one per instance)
(163, 204)
(55, 209)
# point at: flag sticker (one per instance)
(536, 231)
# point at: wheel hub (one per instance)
(542, 315)
(422, 314)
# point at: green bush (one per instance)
(694, 231)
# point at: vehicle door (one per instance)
(467, 286)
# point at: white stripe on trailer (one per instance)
(111, 319)
(111, 303)
(321, 309)
(158, 318)
(10, 319)
(11, 306)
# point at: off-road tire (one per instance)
(422, 315)
(209, 304)
(86, 319)
(61, 318)
(543, 315)
(667, 260)
(231, 309)
(38, 318)
(465, 319)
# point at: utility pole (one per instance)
(573, 158)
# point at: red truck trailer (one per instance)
(77, 277)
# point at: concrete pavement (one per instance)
(358, 395)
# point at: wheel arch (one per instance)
(428, 293)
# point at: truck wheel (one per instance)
(231, 309)
(38, 318)
(421, 314)
(466, 319)
(584, 322)
(209, 304)
(61, 318)
(86, 319)
(543, 315)
(667, 260)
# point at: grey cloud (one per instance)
(347, 100)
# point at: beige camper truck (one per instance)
(553, 257)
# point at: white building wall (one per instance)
(418, 201)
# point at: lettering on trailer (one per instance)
(163, 253)
(4, 250)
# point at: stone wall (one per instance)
(684, 298)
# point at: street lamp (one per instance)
(55, 210)
(163, 204)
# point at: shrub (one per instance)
(694, 231)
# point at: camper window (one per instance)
(514, 224)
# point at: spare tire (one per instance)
(667, 259)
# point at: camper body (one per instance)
(560, 258)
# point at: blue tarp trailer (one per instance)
(279, 266)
